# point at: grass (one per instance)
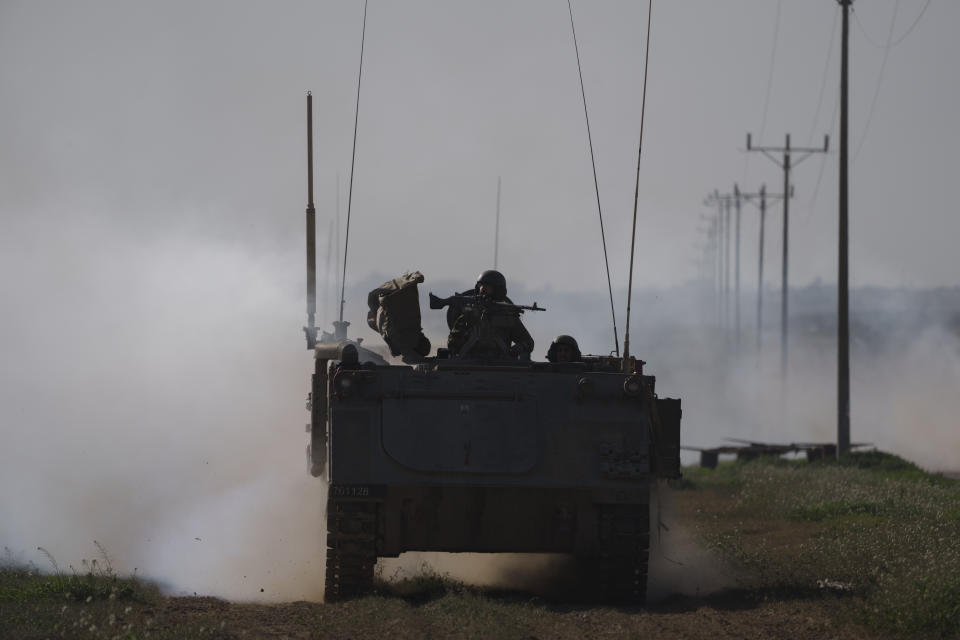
(96, 580)
(873, 527)
(90, 602)
(867, 547)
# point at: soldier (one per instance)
(564, 349)
(490, 332)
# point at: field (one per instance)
(767, 549)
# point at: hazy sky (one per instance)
(124, 120)
(152, 188)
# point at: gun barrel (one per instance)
(440, 303)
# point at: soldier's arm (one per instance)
(458, 335)
(521, 337)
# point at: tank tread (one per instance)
(351, 548)
(621, 564)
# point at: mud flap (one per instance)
(666, 438)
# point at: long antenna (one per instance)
(496, 233)
(353, 159)
(328, 271)
(310, 330)
(596, 186)
(336, 243)
(636, 190)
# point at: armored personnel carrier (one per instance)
(479, 449)
(489, 455)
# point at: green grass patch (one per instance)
(27, 583)
(872, 521)
(95, 580)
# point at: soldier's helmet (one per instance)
(496, 279)
(567, 341)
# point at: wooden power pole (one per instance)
(787, 163)
(723, 216)
(843, 307)
(760, 199)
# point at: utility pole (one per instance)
(786, 164)
(736, 295)
(709, 265)
(723, 202)
(762, 196)
(726, 262)
(723, 252)
(718, 268)
(763, 218)
(714, 258)
(843, 306)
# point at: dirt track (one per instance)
(693, 596)
(728, 615)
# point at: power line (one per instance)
(766, 100)
(773, 58)
(891, 43)
(823, 163)
(823, 81)
(816, 115)
(907, 32)
(876, 93)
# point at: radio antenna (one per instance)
(311, 330)
(596, 186)
(636, 190)
(341, 327)
(336, 258)
(496, 232)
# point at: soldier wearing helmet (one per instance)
(564, 348)
(498, 335)
(493, 284)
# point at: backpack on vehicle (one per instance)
(394, 313)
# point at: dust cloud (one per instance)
(152, 399)
(678, 565)
(905, 372)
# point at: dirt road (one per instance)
(729, 614)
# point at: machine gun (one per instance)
(487, 319)
(483, 303)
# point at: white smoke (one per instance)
(153, 400)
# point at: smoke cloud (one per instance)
(152, 398)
